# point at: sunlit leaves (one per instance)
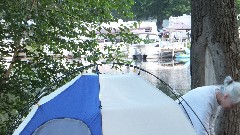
(46, 32)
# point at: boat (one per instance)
(184, 54)
(109, 104)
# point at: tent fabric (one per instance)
(63, 126)
(78, 99)
(132, 106)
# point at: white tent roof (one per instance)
(132, 106)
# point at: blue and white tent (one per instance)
(106, 104)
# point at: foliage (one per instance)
(238, 11)
(36, 27)
(237, 6)
(160, 9)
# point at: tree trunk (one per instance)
(215, 51)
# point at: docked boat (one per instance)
(182, 55)
(185, 54)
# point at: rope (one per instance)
(18, 119)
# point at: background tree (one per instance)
(238, 6)
(32, 26)
(160, 9)
(238, 11)
(215, 51)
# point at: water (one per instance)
(174, 72)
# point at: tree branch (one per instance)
(15, 54)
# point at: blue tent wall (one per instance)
(79, 101)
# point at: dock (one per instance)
(172, 49)
(154, 51)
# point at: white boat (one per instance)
(150, 50)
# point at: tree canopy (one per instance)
(160, 9)
(35, 28)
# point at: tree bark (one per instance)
(215, 51)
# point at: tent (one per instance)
(108, 104)
(70, 110)
(178, 28)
